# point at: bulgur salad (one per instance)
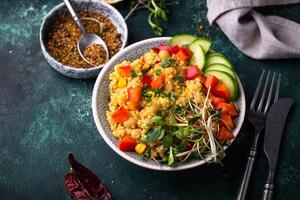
(175, 102)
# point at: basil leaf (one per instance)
(168, 141)
(192, 121)
(171, 157)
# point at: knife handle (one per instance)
(268, 191)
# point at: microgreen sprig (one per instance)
(157, 12)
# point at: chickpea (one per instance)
(136, 133)
(130, 123)
(163, 54)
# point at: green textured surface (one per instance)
(44, 115)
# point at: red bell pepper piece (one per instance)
(147, 80)
(158, 82)
(125, 71)
(156, 50)
(224, 134)
(127, 143)
(121, 115)
(184, 53)
(215, 100)
(221, 90)
(174, 50)
(191, 73)
(134, 95)
(211, 81)
(227, 120)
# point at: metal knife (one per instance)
(274, 128)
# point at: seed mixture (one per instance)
(95, 54)
(62, 43)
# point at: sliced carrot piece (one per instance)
(227, 120)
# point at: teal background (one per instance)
(44, 115)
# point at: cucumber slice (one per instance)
(228, 80)
(210, 54)
(222, 68)
(217, 59)
(205, 43)
(198, 57)
(181, 40)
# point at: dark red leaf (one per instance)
(89, 180)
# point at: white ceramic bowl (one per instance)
(100, 101)
(91, 5)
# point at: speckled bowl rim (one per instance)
(141, 163)
(59, 6)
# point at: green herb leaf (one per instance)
(167, 141)
(156, 119)
(218, 113)
(133, 74)
(153, 134)
(186, 131)
(167, 62)
(192, 121)
(171, 157)
(179, 133)
(172, 97)
(158, 72)
(159, 92)
(179, 79)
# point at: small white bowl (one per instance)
(91, 5)
(100, 102)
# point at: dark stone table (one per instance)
(44, 115)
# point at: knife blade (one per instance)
(275, 122)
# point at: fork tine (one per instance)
(277, 88)
(270, 94)
(261, 102)
(257, 91)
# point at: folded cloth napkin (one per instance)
(258, 36)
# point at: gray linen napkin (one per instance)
(258, 36)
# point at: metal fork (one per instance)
(257, 116)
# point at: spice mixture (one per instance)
(65, 34)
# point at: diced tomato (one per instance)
(227, 108)
(211, 81)
(120, 115)
(221, 90)
(233, 112)
(224, 134)
(127, 143)
(184, 53)
(134, 95)
(158, 82)
(147, 80)
(125, 71)
(163, 47)
(215, 100)
(203, 80)
(189, 146)
(191, 73)
(227, 120)
(156, 50)
(174, 50)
